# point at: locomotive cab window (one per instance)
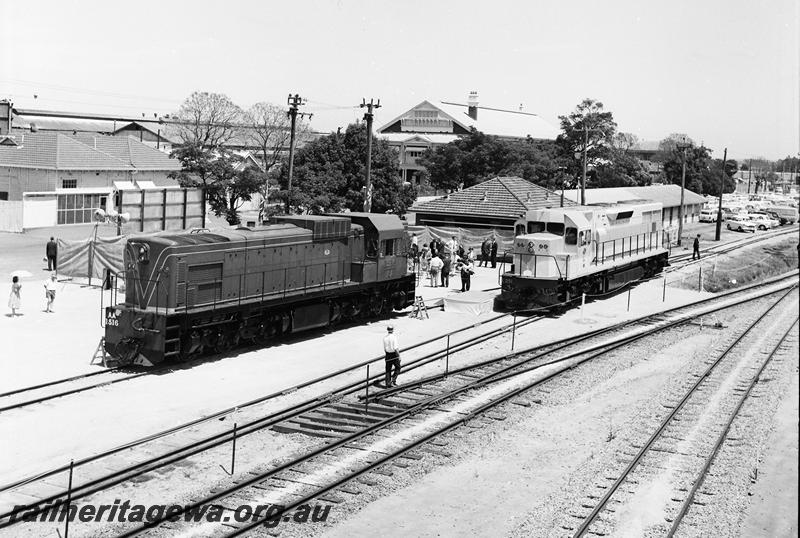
(536, 227)
(388, 247)
(571, 236)
(556, 228)
(520, 229)
(372, 247)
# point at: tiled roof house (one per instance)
(62, 178)
(495, 203)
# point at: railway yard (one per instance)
(667, 408)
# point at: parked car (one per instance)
(763, 221)
(708, 215)
(786, 214)
(741, 223)
(728, 212)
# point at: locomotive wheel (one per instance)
(398, 299)
(226, 341)
(336, 312)
(377, 305)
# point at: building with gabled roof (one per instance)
(428, 125)
(495, 204)
(62, 178)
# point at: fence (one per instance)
(155, 210)
(87, 258)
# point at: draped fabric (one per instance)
(87, 258)
(467, 237)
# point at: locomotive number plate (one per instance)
(111, 318)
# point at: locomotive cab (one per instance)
(553, 242)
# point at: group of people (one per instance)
(443, 260)
(15, 297)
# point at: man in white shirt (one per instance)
(392, 350)
(50, 291)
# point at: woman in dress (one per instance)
(14, 300)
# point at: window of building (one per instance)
(78, 208)
(69, 183)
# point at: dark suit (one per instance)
(494, 254)
(52, 254)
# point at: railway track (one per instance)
(368, 434)
(207, 433)
(736, 244)
(678, 453)
(17, 399)
(336, 416)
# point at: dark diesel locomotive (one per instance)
(561, 253)
(189, 293)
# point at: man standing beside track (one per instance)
(696, 247)
(392, 350)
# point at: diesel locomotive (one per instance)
(561, 253)
(193, 292)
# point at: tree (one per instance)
(477, 157)
(587, 131)
(225, 177)
(207, 120)
(702, 172)
(712, 176)
(697, 162)
(196, 165)
(624, 142)
(622, 169)
(268, 128)
(329, 175)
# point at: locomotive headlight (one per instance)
(142, 253)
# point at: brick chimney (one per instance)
(472, 105)
(5, 117)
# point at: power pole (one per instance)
(585, 148)
(721, 188)
(683, 146)
(368, 116)
(294, 102)
(749, 176)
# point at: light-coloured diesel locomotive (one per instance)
(561, 253)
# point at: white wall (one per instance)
(10, 216)
(39, 212)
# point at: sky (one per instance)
(724, 72)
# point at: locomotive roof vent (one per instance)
(321, 227)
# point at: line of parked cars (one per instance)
(763, 219)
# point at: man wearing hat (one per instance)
(392, 350)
